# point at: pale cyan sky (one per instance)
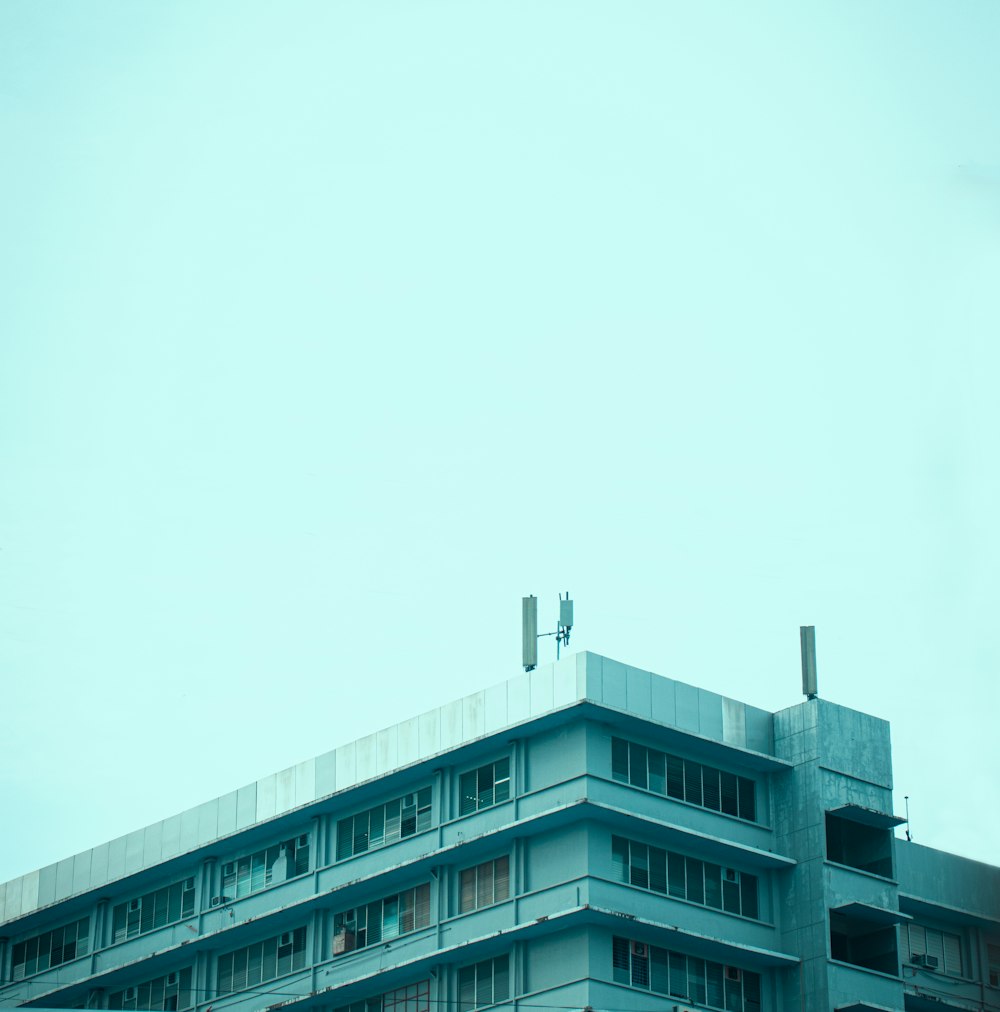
(330, 329)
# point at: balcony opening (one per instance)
(859, 845)
(864, 943)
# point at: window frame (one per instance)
(487, 786)
(414, 902)
(689, 780)
(395, 820)
(476, 875)
(472, 977)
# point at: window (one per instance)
(486, 786)
(60, 945)
(254, 964)
(144, 913)
(382, 920)
(936, 950)
(266, 867)
(388, 823)
(993, 959)
(164, 994)
(689, 978)
(412, 998)
(683, 779)
(485, 884)
(685, 878)
(485, 983)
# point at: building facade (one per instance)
(585, 836)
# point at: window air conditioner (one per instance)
(732, 875)
(189, 883)
(134, 904)
(129, 994)
(924, 959)
(171, 978)
(304, 840)
(639, 949)
(228, 869)
(732, 973)
(286, 939)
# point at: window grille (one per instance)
(384, 824)
(683, 779)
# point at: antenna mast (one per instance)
(529, 629)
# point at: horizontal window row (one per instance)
(168, 993)
(273, 864)
(382, 919)
(683, 779)
(686, 878)
(384, 824)
(152, 910)
(51, 948)
(262, 961)
(690, 978)
(411, 998)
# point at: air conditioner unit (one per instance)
(732, 875)
(189, 883)
(304, 840)
(924, 959)
(129, 994)
(639, 949)
(229, 869)
(171, 978)
(286, 938)
(134, 904)
(733, 973)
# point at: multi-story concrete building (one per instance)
(585, 836)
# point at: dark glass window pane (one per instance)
(637, 766)
(468, 793)
(345, 838)
(675, 875)
(620, 960)
(657, 771)
(713, 886)
(657, 870)
(639, 858)
(730, 896)
(695, 880)
(747, 799)
(619, 859)
(710, 783)
(675, 777)
(730, 805)
(692, 782)
(748, 884)
(619, 759)
(501, 979)
(678, 975)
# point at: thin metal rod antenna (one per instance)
(909, 835)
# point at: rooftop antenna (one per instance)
(807, 637)
(909, 835)
(529, 629)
